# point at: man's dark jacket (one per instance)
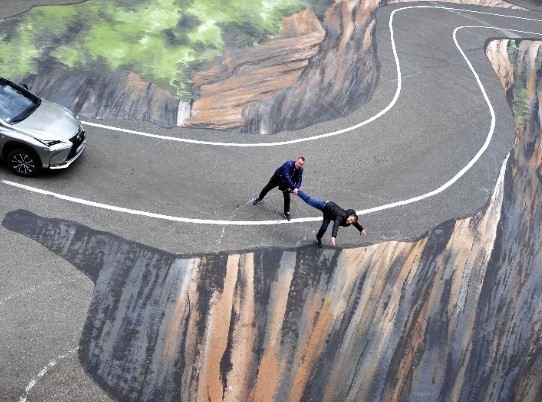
(338, 215)
(287, 176)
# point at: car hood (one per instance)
(49, 122)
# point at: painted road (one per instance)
(427, 148)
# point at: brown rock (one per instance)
(337, 80)
(302, 23)
(497, 53)
(246, 76)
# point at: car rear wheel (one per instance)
(23, 162)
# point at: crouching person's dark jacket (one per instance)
(338, 215)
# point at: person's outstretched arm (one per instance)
(362, 232)
(336, 224)
(298, 183)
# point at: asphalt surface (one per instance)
(427, 133)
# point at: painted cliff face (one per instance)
(194, 63)
(453, 315)
(294, 82)
(159, 40)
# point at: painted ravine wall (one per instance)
(257, 67)
(454, 315)
(319, 72)
(242, 77)
(338, 79)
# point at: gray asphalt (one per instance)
(438, 124)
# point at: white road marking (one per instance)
(44, 371)
(476, 157)
(144, 213)
(421, 197)
(25, 291)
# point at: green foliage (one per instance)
(512, 50)
(520, 102)
(161, 40)
(538, 60)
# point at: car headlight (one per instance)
(49, 143)
(56, 145)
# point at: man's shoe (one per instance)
(287, 217)
(318, 242)
(256, 201)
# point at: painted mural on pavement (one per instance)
(453, 315)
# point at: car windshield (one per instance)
(15, 105)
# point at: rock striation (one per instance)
(311, 74)
(453, 315)
(246, 76)
(119, 95)
(337, 80)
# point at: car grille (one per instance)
(76, 140)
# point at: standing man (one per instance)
(332, 212)
(288, 179)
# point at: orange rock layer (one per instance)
(244, 76)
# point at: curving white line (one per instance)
(50, 365)
(148, 214)
(480, 152)
(440, 189)
(314, 137)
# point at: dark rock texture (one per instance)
(119, 95)
(336, 81)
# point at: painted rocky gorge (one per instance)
(454, 315)
(261, 89)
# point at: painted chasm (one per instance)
(454, 315)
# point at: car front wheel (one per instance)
(23, 162)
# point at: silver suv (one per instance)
(36, 133)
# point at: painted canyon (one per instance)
(454, 315)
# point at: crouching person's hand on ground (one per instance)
(363, 233)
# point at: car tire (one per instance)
(23, 162)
